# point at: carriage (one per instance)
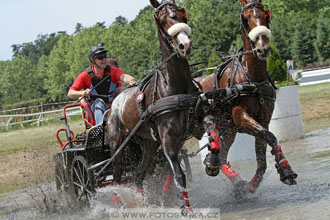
(84, 162)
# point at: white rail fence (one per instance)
(39, 117)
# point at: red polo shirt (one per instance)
(83, 81)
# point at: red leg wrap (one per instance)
(117, 200)
(281, 161)
(167, 188)
(229, 172)
(253, 184)
(185, 201)
(140, 190)
(213, 138)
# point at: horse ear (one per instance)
(185, 14)
(154, 3)
(269, 15)
(243, 2)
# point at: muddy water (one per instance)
(309, 199)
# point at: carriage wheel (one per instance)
(82, 181)
(185, 164)
(61, 176)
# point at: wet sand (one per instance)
(309, 199)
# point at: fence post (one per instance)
(8, 122)
(38, 123)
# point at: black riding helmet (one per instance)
(96, 51)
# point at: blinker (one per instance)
(256, 13)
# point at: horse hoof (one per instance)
(186, 210)
(240, 189)
(211, 170)
(212, 164)
(288, 176)
(289, 181)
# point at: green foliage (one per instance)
(213, 62)
(296, 20)
(79, 27)
(120, 20)
(303, 51)
(276, 66)
(45, 68)
(214, 25)
(58, 69)
(34, 50)
(18, 81)
(322, 42)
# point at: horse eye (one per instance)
(163, 22)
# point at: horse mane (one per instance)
(112, 62)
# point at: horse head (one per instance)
(172, 26)
(255, 19)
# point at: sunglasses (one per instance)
(101, 57)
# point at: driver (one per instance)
(96, 85)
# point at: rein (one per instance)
(226, 57)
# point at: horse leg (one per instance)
(149, 152)
(116, 132)
(179, 177)
(227, 138)
(246, 122)
(260, 148)
(211, 160)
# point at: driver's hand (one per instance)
(86, 92)
(132, 82)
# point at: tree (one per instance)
(18, 81)
(120, 20)
(101, 24)
(303, 48)
(78, 28)
(322, 43)
(56, 59)
(34, 50)
(213, 62)
(57, 70)
(214, 25)
(276, 66)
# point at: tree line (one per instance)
(43, 70)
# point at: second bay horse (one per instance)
(248, 113)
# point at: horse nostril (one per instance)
(259, 50)
(181, 46)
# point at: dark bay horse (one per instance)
(169, 126)
(249, 113)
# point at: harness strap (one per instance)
(169, 104)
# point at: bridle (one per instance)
(254, 5)
(172, 14)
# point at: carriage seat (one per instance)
(87, 115)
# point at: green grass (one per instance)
(310, 92)
(33, 138)
(315, 106)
